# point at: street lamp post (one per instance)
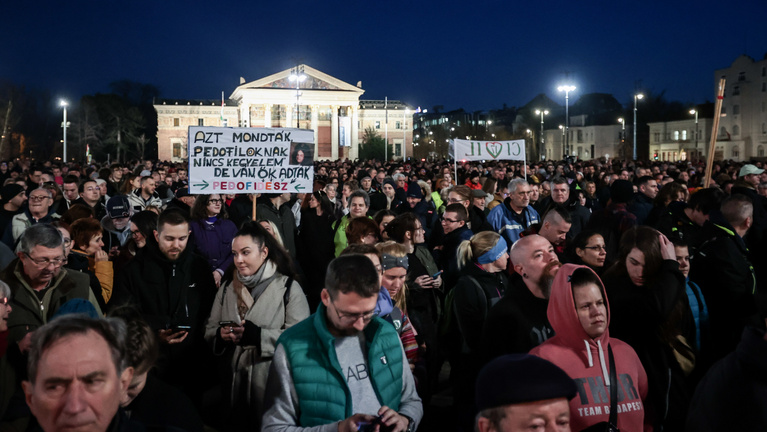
(404, 134)
(542, 150)
(694, 111)
(567, 89)
(297, 75)
(637, 96)
(64, 125)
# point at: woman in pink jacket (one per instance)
(580, 314)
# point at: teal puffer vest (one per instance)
(323, 395)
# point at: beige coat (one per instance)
(250, 364)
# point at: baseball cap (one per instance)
(118, 206)
(749, 169)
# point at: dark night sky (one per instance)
(474, 55)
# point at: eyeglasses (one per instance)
(444, 219)
(454, 200)
(4, 301)
(45, 262)
(67, 241)
(353, 317)
(135, 233)
(38, 198)
(215, 201)
(596, 248)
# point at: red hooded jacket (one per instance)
(586, 361)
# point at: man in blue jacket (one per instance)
(515, 214)
(343, 367)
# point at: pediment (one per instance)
(315, 80)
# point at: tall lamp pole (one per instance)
(64, 125)
(694, 111)
(297, 75)
(542, 150)
(404, 134)
(567, 89)
(637, 97)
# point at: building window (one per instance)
(398, 125)
(736, 130)
(656, 136)
(764, 128)
(764, 87)
(177, 149)
(760, 151)
(175, 122)
(735, 109)
(398, 149)
(735, 90)
(676, 135)
(764, 71)
(580, 135)
(684, 135)
(735, 152)
(225, 123)
(200, 122)
(724, 111)
(378, 125)
(742, 76)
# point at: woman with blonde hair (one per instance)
(482, 261)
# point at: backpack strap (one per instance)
(286, 300)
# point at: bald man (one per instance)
(518, 322)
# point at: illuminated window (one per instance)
(200, 122)
(175, 122)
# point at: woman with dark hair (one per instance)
(651, 313)
(88, 256)
(315, 243)
(142, 226)
(670, 192)
(588, 248)
(212, 233)
(131, 183)
(362, 230)
(257, 301)
(382, 218)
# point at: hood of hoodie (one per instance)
(564, 318)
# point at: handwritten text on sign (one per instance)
(483, 150)
(250, 160)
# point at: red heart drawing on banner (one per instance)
(494, 148)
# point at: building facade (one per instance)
(742, 133)
(585, 142)
(681, 140)
(301, 97)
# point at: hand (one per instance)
(437, 282)
(100, 255)
(393, 420)
(217, 278)
(352, 423)
(666, 248)
(170, 338)
(114, 251)
(26, 342)
(424, 281)
(232, 334)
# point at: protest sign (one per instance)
(475, 150)
(226, 160)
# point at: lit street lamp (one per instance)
(637, 96)
(542, 113)
(297, 75)
(64, 125)
(567, 89)
(404, 134)
(694, 111)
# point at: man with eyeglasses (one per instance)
(40, 284)
(39, 210)
(343, 367)
(90, 195)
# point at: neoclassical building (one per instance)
(330, 107)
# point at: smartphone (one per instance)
(180, 328)
(370, 426)
(436, 275)
(228, 324)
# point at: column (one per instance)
(289, 115)
(334, 132)
(244, 115)
(267, 115)
(355, 150)
(315, 126)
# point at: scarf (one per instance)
(250, 288)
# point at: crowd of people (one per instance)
(557, 296)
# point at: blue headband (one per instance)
(493, 254)
(389, 262)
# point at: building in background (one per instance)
(330, 107)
